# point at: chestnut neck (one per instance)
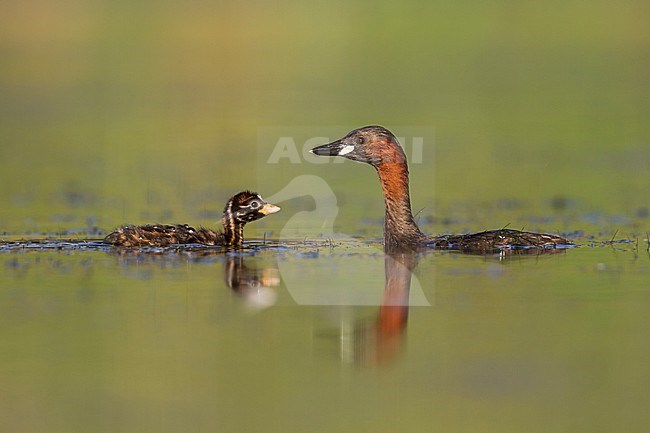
(400, 230)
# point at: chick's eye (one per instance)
(255, 205)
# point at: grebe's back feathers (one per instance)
(492, 240)
(162, 235)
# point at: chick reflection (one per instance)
(252, 284)
(377, 343)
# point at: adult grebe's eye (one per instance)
(360, 140)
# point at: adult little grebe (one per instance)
(241, 209)
(378, 147)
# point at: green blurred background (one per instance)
(125, 112)
(117, 112)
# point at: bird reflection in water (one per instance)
(254, 285)
(379, 341)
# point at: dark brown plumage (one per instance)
(378, 147)
(241, 209)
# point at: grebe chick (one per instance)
(242, 208)
(377, 146)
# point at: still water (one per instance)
(520, 114)
(323, 336)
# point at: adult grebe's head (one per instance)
(377, 146)
(374, 145)
(247, 206)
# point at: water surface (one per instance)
(527, 115)
(278, 339)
